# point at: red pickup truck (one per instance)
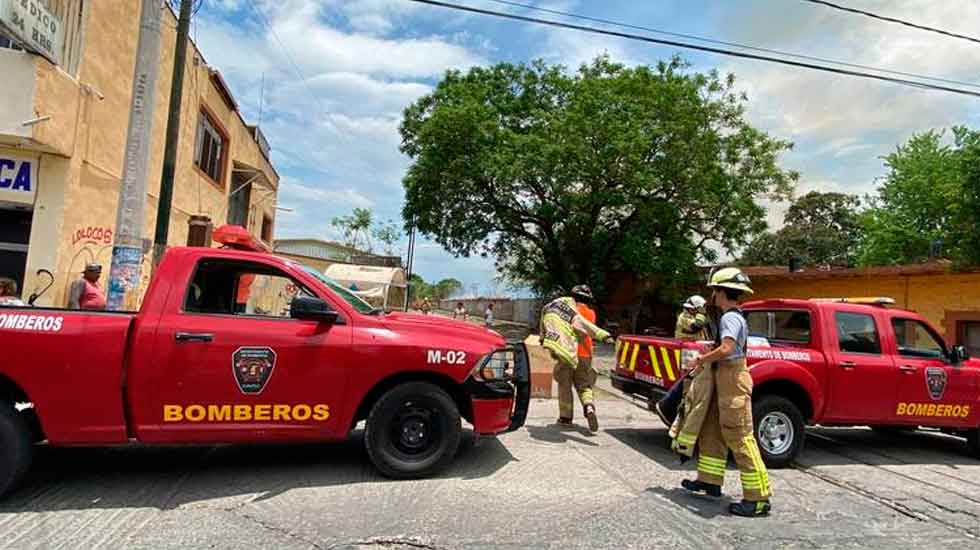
(831, 363)
(237, 346)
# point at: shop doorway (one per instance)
(15, 234)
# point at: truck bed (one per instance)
(66, 359)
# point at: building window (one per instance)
(266, 228)
(211, 149)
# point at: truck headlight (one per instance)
(495, 366)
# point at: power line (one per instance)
(295, 67)
(732, 44)
(894, 20)
(686, 45)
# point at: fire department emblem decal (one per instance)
(936, 382)
(253, 368)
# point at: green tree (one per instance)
(387, 234)
(356, 229)
(819, 228)
(918, 202)
(446, 287)
(563, 177)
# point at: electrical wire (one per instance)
(732, 44)
(674, 43)
(295, 67)
(894, 20)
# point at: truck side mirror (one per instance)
(312, 309)
(959, 354)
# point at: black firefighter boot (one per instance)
(591, 417)
(668, 406)
(750, 509)
(702, 488)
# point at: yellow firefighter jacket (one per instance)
(560, 324)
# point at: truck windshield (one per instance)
(353, 299)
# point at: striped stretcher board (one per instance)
(651, 360)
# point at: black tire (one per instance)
(16, 447)
(413, 431)
(973, 443)
(785, 427)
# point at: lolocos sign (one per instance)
(18, 179)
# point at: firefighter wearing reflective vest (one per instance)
(566, 325)
(728, 424)
(692, 322)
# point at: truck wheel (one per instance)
(16, 447)
(413, 431)
(779, 429)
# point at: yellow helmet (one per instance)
(730, 277)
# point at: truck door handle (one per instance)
(907, 369)
(193, 337)
(848, 365)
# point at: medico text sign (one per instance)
(18, 178)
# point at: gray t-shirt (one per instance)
(734, 326)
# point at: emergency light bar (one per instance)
(865, 300)
(237, 237)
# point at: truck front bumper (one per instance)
(502, 406)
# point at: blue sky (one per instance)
(334, 129)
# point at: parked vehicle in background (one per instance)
(836, 362)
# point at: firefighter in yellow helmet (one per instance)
(728, 424)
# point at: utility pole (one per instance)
(127, 247)
(410, 260)
(173, 134)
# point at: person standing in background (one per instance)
(460, 312)
(86, 293)
(488, 316)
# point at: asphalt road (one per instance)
(541, 487)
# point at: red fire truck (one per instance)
(236, 345)
(835, 362)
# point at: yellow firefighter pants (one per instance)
(582, 379)
(728, 426)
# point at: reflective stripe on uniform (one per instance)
(762, 475)
(711, 465)
(687, 438)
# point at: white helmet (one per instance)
(695, 302)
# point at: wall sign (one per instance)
(34, 27)
(18, 178)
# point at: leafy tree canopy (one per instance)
(563, 177)
(930, 196)
(819, 229)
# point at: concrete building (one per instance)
(63, 123)
(320, 254)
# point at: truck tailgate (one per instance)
(70, 364)
(651, 360)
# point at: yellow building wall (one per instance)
(932, 296)
(87, 131)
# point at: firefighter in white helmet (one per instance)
(728, 423)
(692, 322)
